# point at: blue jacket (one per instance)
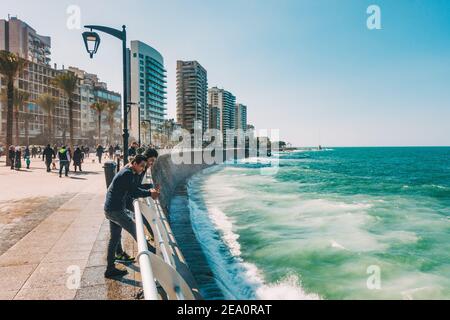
(123, 186)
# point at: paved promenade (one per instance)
(53, 236)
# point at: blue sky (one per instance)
(310, 68)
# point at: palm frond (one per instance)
(47, 103)
(67, 82)
(11, 64)
(99, 106)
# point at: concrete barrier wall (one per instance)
(170, 176)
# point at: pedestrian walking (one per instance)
(12, 156)
(111, 152)
(100, 150)
(55, 150)
(48, 156)
(77, 158)
(64, 161)
(27, 157)
(18, 159)
(33, 152)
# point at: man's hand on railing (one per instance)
(154, 193)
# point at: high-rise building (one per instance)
(225, 101)
(36, 79)
(241, 117)
(18, 37)
(91, 91)
(215, 117)
(147, 87)
(192, 95)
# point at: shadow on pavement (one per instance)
(77, 178)
(130, 282)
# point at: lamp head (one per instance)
(92, 42)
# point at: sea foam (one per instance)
(238, 279)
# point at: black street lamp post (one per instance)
(92, 42)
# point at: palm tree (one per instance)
(68, 82)
(112, 108)
(99, 107)
(20, 99)
(10, 66)
(48, 104)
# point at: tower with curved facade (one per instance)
(147, 87)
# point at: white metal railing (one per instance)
(154, 269)
(148, 281)
(158, 225)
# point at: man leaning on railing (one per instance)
(151, 155)
(123, 186)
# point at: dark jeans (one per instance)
(48, 163)
(12, 163)
(130, 208)
(118, 220)
(64, 165)
(77, 166)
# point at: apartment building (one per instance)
(192, 95)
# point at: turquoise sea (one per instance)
(344, 223)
